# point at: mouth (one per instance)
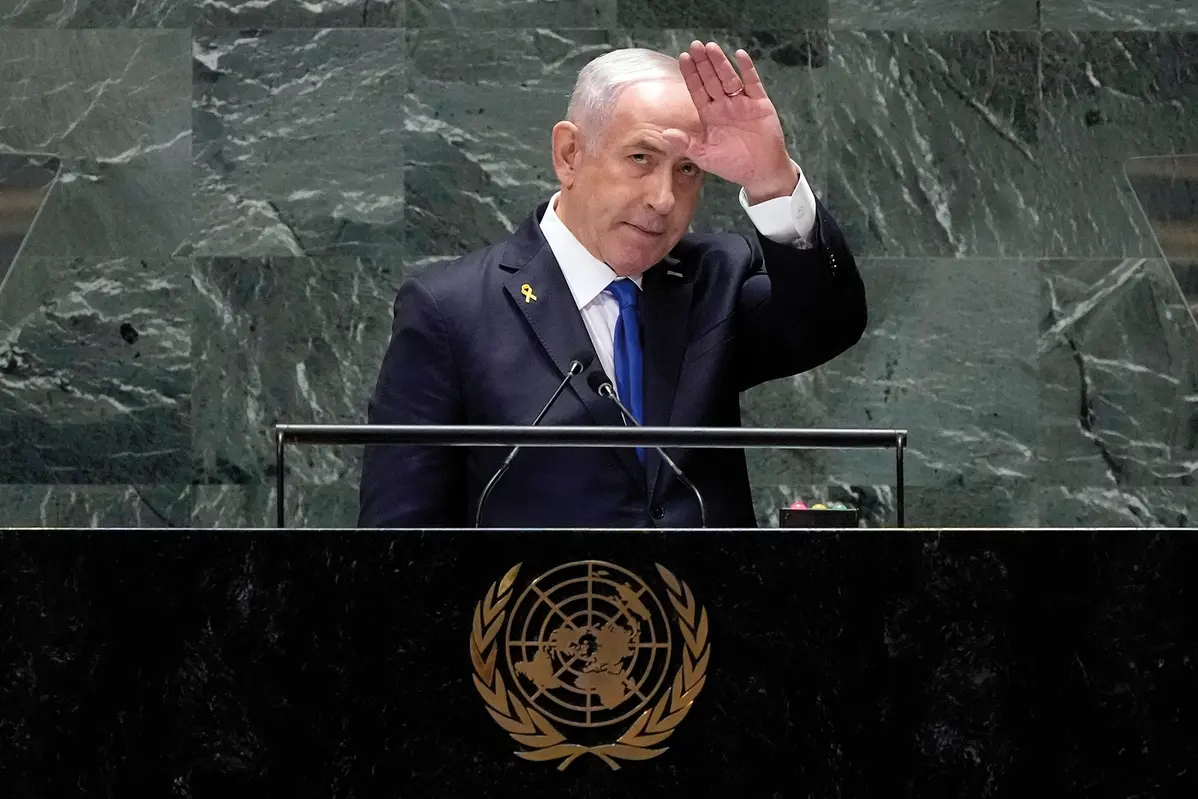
(645, 231)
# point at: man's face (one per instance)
(632, 199)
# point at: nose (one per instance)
(661, 191)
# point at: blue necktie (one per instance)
(628, 359)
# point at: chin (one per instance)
(632, 260)
(634, 263)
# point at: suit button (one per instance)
(657, 511)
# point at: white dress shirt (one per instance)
(786, 220)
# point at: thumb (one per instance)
(680, 141)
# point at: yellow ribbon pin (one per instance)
(526, 290)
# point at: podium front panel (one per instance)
(456, 663)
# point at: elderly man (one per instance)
(605, 273)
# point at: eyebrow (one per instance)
(645, 144)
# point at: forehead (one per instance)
(654, 105)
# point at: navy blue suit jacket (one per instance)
(721, 314)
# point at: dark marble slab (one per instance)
(109, 95)
(503, 14)
(742, 14)
(137, 209)
(96, 371)
(933, 142)
(296, 340)
(93, 14)
(281, 14)
(1167, 188)
(935, 361)
(1119, 15)
(976, 143)
(1062, 506)
(113, 106)
(25, 183)
(200, 13)
(1108, 97)
(298, 142)
(1008, 503)
(1118, 360)
(865, 663)
(154, 505)
(305, 504)
(934, 15)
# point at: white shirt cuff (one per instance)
(785, 220)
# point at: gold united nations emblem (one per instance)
(587, 650)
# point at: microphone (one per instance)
(602, 386)
(578, 365)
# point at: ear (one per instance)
(567, 152)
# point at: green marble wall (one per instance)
(206, 208)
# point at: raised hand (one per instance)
(741, 139)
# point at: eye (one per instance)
(639, 158)
(690, 169)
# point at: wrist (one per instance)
(777, 183)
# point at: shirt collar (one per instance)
(586, 275)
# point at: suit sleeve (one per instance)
(408, 485)
(799, 307)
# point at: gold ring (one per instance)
(738, 91)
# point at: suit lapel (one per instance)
(557, 324)
(665, 308)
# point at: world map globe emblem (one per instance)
(588, 644)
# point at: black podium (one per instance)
(712, 663)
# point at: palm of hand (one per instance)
(738, 139)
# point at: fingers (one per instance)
(724, 73)
(710, 76)
(694, 83)
(752, 81)
(701, 55)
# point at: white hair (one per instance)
(600, 82)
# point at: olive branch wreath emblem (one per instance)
(531, 729)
